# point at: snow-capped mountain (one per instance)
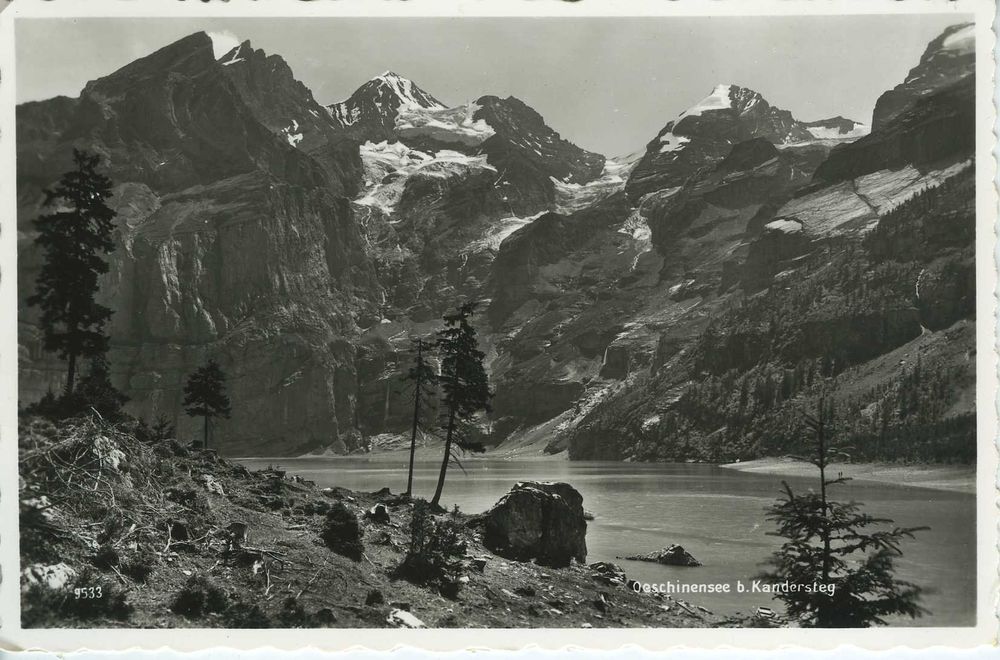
(929, 117)
(528, 153)
(706, 132)
(948, 58)
(372, 109)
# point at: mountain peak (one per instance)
(379, 101)
(956, 40)
(949, 58)
(238, 54)
(190, 56)
(725, 96)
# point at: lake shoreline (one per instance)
(954, 478)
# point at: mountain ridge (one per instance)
(257, 227)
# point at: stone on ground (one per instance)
(538, 520)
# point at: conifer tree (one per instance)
(828, 543)
(96, 391)
(464, 384)
(205, 394)
(73, 238)
(423, 377)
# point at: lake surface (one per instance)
(715, 513)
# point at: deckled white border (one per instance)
(12, 637)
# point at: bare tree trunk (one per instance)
(416, 416)
(413, 445)
(823, 612)
(205, 443)
(71, 374)
(447, 458)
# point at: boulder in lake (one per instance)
(673, 555)
(538, 520)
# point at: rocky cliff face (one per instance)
(232, 242)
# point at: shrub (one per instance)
(342, 533)
(199, 596)
(435, 551)
(239, 615)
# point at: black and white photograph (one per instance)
(478, 322)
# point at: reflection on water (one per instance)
(715, 513)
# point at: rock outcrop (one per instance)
(672, 555)
(540, 521)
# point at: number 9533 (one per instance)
(88, 593)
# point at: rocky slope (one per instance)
(194, 541)
(851, 281)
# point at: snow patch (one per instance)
(499, 232)
(825, 133)
(670, 142)
(962, 41)
(636, 226)
(387, 166)
(717, 100)
(343, 115)
(575, 196)
(785, 226)
(292, 133)
(403, 89)
(446, 124)
(223, 41)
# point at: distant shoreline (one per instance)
(955, 478)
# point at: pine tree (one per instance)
(464, 383)
(423, 377)
(205, 394)
(96, 391)
(827, 544)
(73, 238)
